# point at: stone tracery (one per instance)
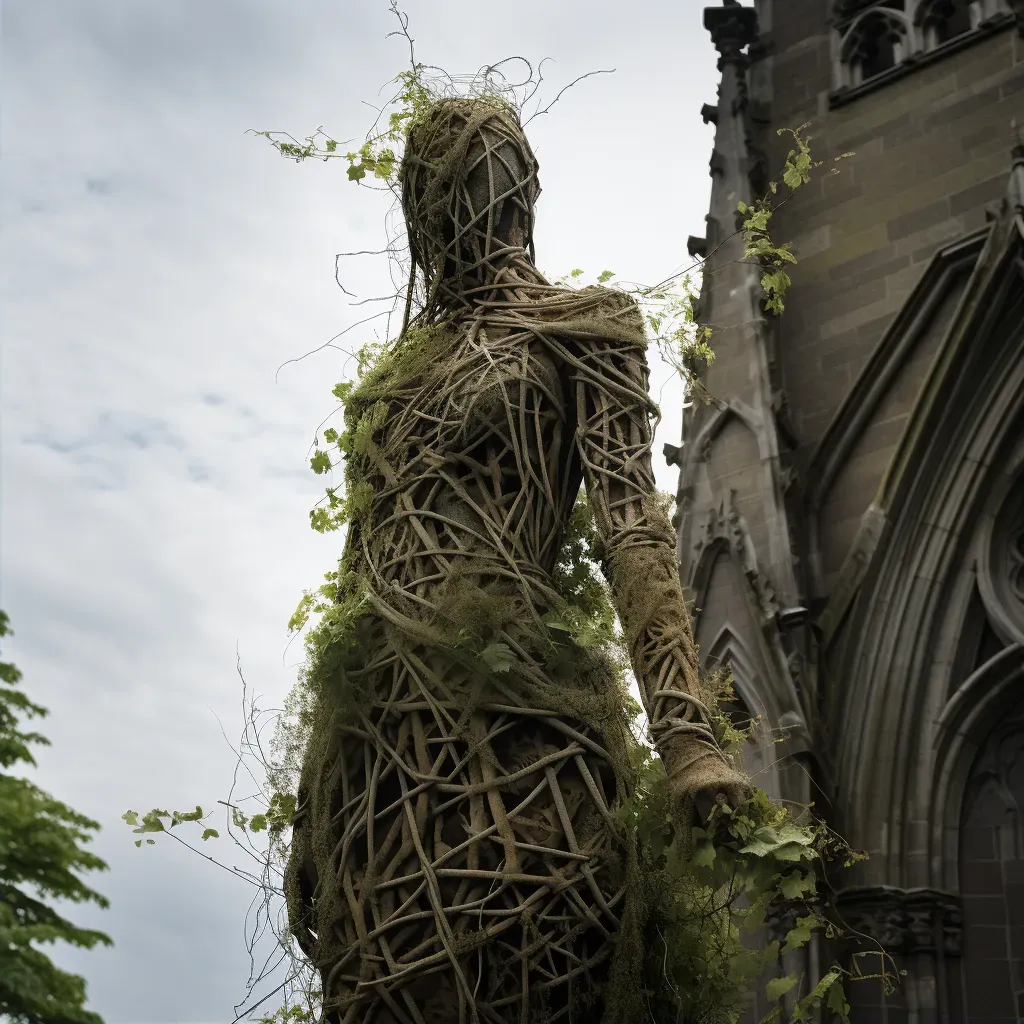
(874, 36)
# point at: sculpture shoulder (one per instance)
(607, 315)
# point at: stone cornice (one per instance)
(902, 921)
(732, 28)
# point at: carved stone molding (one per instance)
(1015, 558)
(903, 921)
(732, 28)
(881, 40)
(783, 424)
(1001, 570)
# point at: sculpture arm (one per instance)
(613, 411)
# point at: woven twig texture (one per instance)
(456, 854)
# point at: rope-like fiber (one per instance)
(456, 854)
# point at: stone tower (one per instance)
(851, 502)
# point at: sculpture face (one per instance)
(469, 184)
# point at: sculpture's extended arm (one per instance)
(614, 441)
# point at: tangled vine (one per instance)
(477, 834)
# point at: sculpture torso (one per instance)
(465, 806)
(486, 468)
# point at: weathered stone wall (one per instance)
(885, 248)
(930, 153)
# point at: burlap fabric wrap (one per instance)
(456, 853)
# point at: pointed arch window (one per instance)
(877, 36)
(943, 20)
(991, 863)
(876, 42)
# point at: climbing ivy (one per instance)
(696, 891)
(758, 244)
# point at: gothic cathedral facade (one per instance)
(851, 498)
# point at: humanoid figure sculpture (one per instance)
(456, 854)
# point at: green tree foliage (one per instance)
(39, 857)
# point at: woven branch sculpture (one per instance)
(457, 855)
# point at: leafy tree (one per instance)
(39, 855)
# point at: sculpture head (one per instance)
(469, 184)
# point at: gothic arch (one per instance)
(986, 698)
(1001, 556)
(726, 540)
(876, 40)
(944, 276)
(938, 21)
(966, 427)
(760, 759)
(728, 649)
(716, 423)
(703, 569)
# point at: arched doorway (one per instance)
(992, 878)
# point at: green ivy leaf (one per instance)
(151, 821)
(356, 172)
(800, 934)
(762, 842)
(210, 833)
(258, 823)
(704, 853)
(605, 275)
(498, 657)
(555, 621)
(320, 463)
(796, 883)
(793, 852)
(301, 614)
(804, 1009)
(179, 816)
(836, 999)
(778, 987)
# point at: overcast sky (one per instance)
(158, 267)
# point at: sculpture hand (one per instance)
(700, 777)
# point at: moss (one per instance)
(678, 954)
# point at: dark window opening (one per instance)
(991, 866)
(877, 48)
(945, 20)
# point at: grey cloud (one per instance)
(113, 429)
